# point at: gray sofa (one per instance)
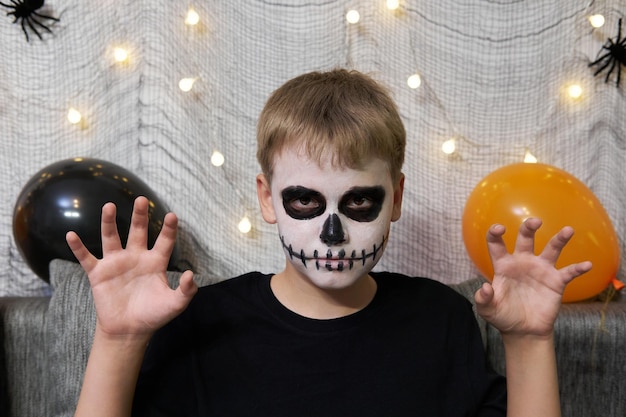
(44, 345)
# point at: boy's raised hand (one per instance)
(129, 285)
(525, 295)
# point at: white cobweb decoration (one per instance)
(492, 77)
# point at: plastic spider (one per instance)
(25, 12)
(615, 55)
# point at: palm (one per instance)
(525, 295)
(129, 298)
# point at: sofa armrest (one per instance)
(23, 359)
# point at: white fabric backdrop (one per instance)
(492, 71)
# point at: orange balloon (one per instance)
(515, 192)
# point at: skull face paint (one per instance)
(333, 222)
(361, 204)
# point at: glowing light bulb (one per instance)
(449, 146)
(353, 17)
(74, 116)
(392, 4)
(596, 20)
(529, 158)
(186, 84)
(192, 17)
(574, 91)
(414, 81)
(217, 159)
(120, 54)
(244, 225)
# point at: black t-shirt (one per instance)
(415, 350)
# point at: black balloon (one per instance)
(69, 195)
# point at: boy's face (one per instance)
(333, 222)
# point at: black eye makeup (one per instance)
(362, 204)
(303, 203)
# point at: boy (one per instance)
(326, 336)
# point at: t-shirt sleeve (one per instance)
(494, 402)
(468, 386)
(164, 385)
(492, 393)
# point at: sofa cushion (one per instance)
(70, 325)
(23, 359)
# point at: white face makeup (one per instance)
(333, 223)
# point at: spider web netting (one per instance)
(492, 76)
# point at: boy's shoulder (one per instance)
(400, 280)
(418, 289)
(244, 282)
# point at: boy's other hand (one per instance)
(524, 297)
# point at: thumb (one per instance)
(187, 288)
(484, 296)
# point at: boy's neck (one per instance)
(301, 296)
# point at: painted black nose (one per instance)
(332, 232)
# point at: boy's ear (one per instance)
(264, 193)
(398, 190)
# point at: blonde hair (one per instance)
(342, 112)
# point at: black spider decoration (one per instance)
(615, 55)
(25, 12)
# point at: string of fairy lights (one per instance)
(120, 55)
